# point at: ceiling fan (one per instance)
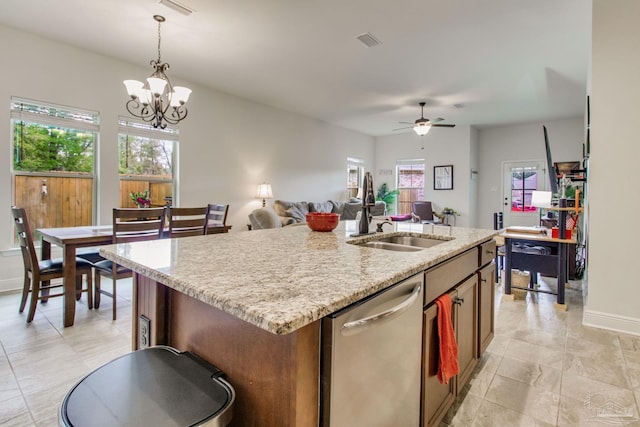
(422, 125)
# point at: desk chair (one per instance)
(38, 274)
(424, 211)
(129, 225)
(216, 216)
(185, 222)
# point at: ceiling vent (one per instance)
(177, 6)
(368, 40)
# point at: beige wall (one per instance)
(614, 294)
(228, 145)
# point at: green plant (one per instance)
(450, 211)
(388, 197)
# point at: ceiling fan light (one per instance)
(422, 129)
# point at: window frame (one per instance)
(47, 114)
(130, 126)
(409, 162)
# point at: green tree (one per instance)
(44, 148)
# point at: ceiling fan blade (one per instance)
(436, 120)
(407, 123)
(407, 127)
(443, 126)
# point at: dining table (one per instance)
(70, 239)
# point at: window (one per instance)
(410, 175)
(355, 173)
(146, 162)
(53, 167)
(523, 182)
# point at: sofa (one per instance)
(284, 213)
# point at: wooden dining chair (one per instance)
(185, 222)
(216, 216)
(39, 273)
(129, 225)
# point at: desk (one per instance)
(72, 238)
(554, 263)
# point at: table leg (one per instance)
(69, 267)
(45, 253)
(507, 266)
(562, 271)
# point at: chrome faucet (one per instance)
(368, 202)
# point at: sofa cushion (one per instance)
(320, 206)
(281, 207)
(296, 213)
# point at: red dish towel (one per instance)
(448, 363)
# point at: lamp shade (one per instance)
(422, 129)
(264, 191)
(541, 199)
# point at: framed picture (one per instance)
(443, 177)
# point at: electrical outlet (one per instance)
(144, 332)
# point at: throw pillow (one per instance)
(320, 206)
(351, 210)
(296, 213)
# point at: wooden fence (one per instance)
(52, 201)
(67, 201)
(158, 191)
(405, 199)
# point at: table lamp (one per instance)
(264, 192)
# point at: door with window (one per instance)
(519, 181)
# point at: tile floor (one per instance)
(543, 367)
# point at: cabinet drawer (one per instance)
(445, 276)
(487, 252)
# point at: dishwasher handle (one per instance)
(356, 326)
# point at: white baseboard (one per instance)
(11, 285)
(627, 325)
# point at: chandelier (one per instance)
(157, 101)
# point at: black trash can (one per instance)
(157, 386)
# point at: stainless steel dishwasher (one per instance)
(371, 358)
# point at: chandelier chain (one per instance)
(159, 38)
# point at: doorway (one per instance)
(519, 180)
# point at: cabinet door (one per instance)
(436, 397)
(486, 306)
(466, 312)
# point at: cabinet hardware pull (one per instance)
(483, 280)
(490, 252)
(357, 326)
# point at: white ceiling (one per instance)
(504, 61)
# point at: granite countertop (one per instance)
(283, 279)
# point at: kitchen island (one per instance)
(251, 302)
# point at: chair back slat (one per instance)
(23, 230)
(185, 222)
(133, 225)
(216, 215)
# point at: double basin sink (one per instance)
(403, 242)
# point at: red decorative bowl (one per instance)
(322, 221)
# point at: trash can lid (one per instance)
(157, 386)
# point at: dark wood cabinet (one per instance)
(468, 279)
(486, 304)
